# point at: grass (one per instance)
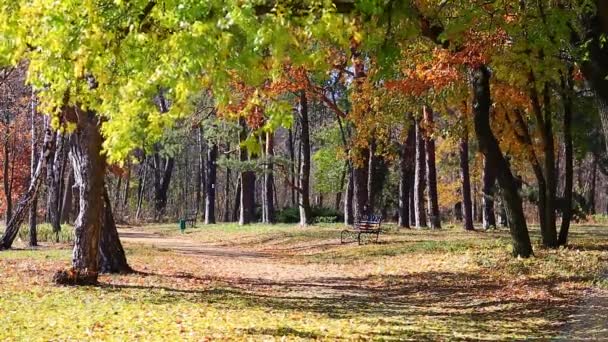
(283, 282)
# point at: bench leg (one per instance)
(359, 238)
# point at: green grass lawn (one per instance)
(285, 282)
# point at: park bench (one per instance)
(368, 225)
(191, 217)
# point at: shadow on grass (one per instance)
(424, 306)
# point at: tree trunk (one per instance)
(292, 158)
(54, 175)
(465, 178)
(236, 211)
(6, 180)
(339, 193)
(141, 187)
(490, 148)
(431, 169)
(406, 169)
(162, 179)
(226, 217)
(26, 200)
(419, 178)
(304, 203)
(371, 162)
(66, 207)
(200, 172)
(247, 206)
(112, 257)
(33, 164)
(89, 169)
(487, 201)
(348, 197)
(550, 234)
(567, 85)
(269, 180)
(592, 186)
(595, 66)
(212, 152)
(125, 198)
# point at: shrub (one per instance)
(45, 233)
(319, 215)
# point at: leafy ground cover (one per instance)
(283, 282)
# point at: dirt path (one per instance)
(184, 245)
(242, 265)
(590, 322)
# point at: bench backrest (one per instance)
(368, 222)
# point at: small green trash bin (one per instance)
(182, 225)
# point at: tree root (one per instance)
(75, 277)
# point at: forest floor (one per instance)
(283, 282)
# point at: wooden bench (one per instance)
(191, 217)
(367, 225)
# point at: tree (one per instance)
(211, 179)
(26, 200)
(465, 178)
(406, 169)
(269, 210)
(431, 170)
(420, 177)
(304, 184)
(247, 182)
(489, 147)
(488, 178)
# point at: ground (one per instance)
(284, 282)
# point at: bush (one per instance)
(45, 233)
(319, 215)
(288, 215)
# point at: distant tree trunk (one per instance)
(420, 178)
(200, 172)
(567, 88)
(592, 186)
(490, 148)
(465, 178)
(125, 198)
(406, 169)
(33, 164)
(89, 167)
(141, 187)
(371, 162)
(26, 200)
(226, 217)
(292, 158)
(304, 204)
(412, 200)
(431, 169)
(212, 152)
(162, 174)
(162, 178)
(54, 175)
(348, 197)
(66, 207)
(112, 257)
(117, 193)
(236, 212)
(489, 178)
(269, 180)
(6, 177)
(546, 177)
(247, 206)
(339, 193)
